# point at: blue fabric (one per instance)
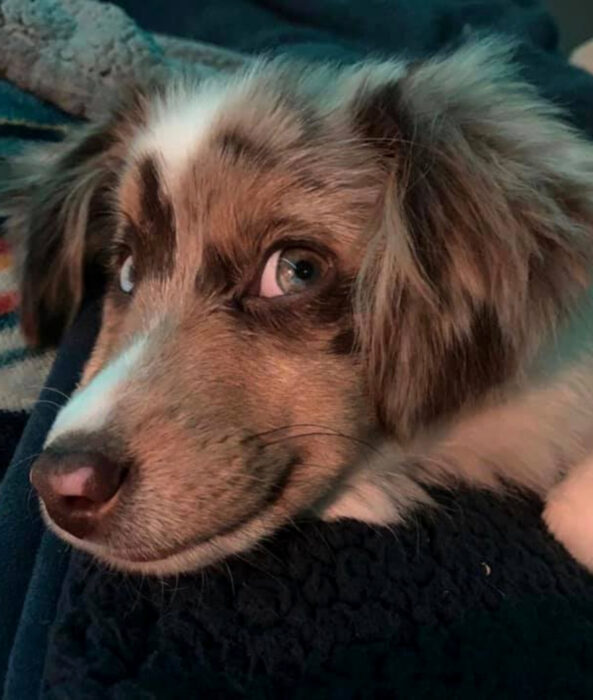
(350, 30)
(22, 545)
(23, 119)
(347, 612)
(343, 29)
(17, 107)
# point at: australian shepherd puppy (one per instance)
(328, 291)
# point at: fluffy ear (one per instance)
(56, 200)
(484, 234)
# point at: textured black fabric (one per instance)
(476, 601)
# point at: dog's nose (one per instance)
(77, 487)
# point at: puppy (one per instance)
(327, 292)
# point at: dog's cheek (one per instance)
(334, 403)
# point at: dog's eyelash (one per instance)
(118, 251)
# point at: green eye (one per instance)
(290, 271)
(297, 269)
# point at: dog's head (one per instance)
(297, 261)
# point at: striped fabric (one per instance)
(23, 120)
(22, 371)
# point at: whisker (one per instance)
(343, 436)
(41, 388)
(56, 391)
(231, 577)
(290, 426)
(48, 402)
(32, 503)
(25, 459)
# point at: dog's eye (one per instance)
(290, 271)
(126, 275)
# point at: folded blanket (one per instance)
(22, 372)
(75, 52)
(474, 601)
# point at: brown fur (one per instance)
(453, 211)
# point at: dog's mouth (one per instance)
(185, 558)
(194, 552)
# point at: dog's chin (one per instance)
(188, 559)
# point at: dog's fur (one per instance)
(453, 211)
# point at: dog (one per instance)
(328, 291)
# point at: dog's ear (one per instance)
(484, 233)
(56, 200)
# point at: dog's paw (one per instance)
(569, 513)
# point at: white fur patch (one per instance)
(569, 513)
(89, 408)
(178, 123)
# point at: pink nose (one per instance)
(76, 488)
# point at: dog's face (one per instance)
(292, 270)
(223, 378)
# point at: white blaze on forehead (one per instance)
(179, 122)
(90, 407)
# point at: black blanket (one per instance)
(475, 600)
